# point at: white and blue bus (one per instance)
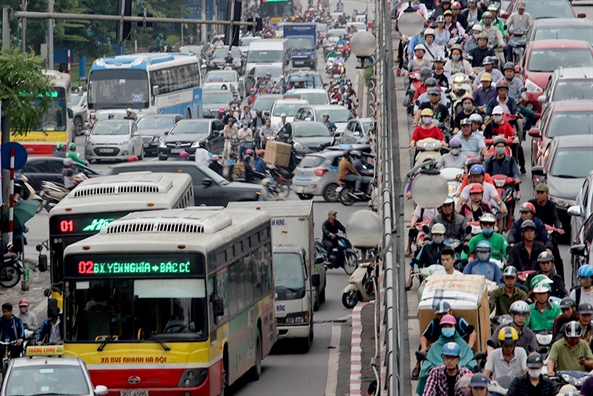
(154, 83)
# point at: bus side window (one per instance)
(248, 279)
(240, 284)
(232, 289)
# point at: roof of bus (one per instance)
(191, 229)
(125, 192)
(57, 77)
(277, 208)
(140, 61)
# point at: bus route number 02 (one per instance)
(86, 267)
(67, 226)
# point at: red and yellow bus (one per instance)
(56, 124)
(172, 302)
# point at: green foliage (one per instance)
(22, 72)
(368, 74)
(172, 39)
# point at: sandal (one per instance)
(416, 373)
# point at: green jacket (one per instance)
(74, 157)
(498, 242)
(538, 321)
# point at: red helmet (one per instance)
(260, 153)
(476, 188)
(249, 152)
(183, 154)
(132, 158)
(527, 207)
(24, 303)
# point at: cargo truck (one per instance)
(302, 40)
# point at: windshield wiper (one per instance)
(165, 346)
(566, 176)
(111, 333)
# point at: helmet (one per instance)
(502, 85)
(487, 14)
(221, 110)
(23, 303)
(448, 319)
(442, 308)
(477, 27)
(457, 47)
(542, 287)
(451, 349)
(420, 47)
(527, 224)
(508, 336)
(449, 199)
(500, 139)
(133, 158)
(487, 218)
(527, 207)
(68, 162)
(60, 146)
(430, 82)
(429, 32)
(467, 96)
(488, 60)
(535, 361)
(426, 112)
(439, 59)
(545, 257)
(585, 270)
(260, 153)
(326, 114)
(455, 142)
(510, 271)
(483, 35)
(477, 170)
(249, 152)
(497, 110)
(479, 380)
(475, 118)
(246, 157)
(438, 228)
(472, 161)
(486, 77)
(72, 146)
(183, 154)
(456, 5)
(492, 7)
(476, 188)
(483, 245)
(567, 302)
(573, 329)
(519, 307)
(440, 18)
(508, 65)
(425, 73)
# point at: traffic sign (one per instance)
(20, 155)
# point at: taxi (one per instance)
(46, 371)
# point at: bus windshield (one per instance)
(55, 118)
(110, 89)
(264, 56)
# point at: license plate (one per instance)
(176, 150)
(133, 393)
(280, 308)
(145, 145)
(106, 150)
(299, 62)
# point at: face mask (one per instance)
(468, 106)
(483, 256)
(487, 22)
(497, 118)
(426, 120)
(501, 150)
(456, 57)
(534, 373)
(448, 333)
(475, 35)
(487, 232)
(438, 239)
(455, 151)
(23, 309)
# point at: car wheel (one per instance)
(329, 193)
(78, 126)
(304, 197)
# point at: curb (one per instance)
(356, 350)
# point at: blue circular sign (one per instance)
(20, 155)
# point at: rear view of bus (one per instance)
(176, 302)
(96, 202)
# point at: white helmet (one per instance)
(519, 307)
(429, 31)
(477, 27)
(438, 228)
(420, 47)
(475, 118)
(498, 110)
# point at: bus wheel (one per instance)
(256, 369)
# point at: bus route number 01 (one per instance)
(67, 226)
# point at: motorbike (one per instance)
(361, 286)
(415, 84)
(29, 193)
(52, 194)
(274, 191)
(7, 356)
(11, 269)
(505, 186)
(337, 71)
(575, 378)
(346, 193)
(454, 176)
(427, 149)
(517, 43)
(492, 151)
(544, 341)
(343, 256)
(500, 386)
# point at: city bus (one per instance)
(96, 202)
(173, 302)
(276, 10)
(154, 83)
(55, 125)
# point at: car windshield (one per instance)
(257, 56)
(149, 122)
(221, 77)
(315, 98)
(367, 126)
(572, 163)
(75, 100)
(288, 271)
(222, 96)
(264, 103)
(321, 27)
(104, 115)
(549, 9)
(336, 33)
(548, 60)
(573, 90)
(289, 109)
(335, 115)
(301, 43)
(313, 129)
(222, 53)
(111, 128)
(580, 123)
(262, 71)
(191, 127)
(584, 33)
(47, 379)
(244, 42)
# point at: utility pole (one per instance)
(50, 36)
(6, 26)
(24, 4)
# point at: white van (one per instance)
(269, 52)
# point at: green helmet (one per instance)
(541, 284)
(326, 114)
(60, 146)
(72, 146)
(487, 14)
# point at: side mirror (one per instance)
(155, 90)
(578, 250)
(70, 113)
(319, 260)
(542, 99)
(538, 171)
(356, 134)
(575, 211)
(217, 306)
(316, 280)
(535, 132)
(425, 229)
(420, 355)
(465, 247)
(101, 390)
(207, 182)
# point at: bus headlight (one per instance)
(193, 377)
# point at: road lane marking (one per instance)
(331, 386)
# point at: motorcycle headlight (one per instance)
(532, 87)
(459, 79)
(429, 146)
(452, 189)
(499, 183)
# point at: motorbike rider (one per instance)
(266, 131)
(357, 163)
(59, 150)
(476, 207)
(564, 352)
(472, 41)
(524, 254)
(518, 20)
(499, 126)
(418, 86)
(433, 50)
(71, 179)
(440, 111)
(545, 260)
(454, 222)
(569, 314)
(471, 144)
(442, 378)
(482, 265)
(329, 124)
(508, 360)
(29, 319)
(453, 26)
(496, 21)
(50, 332)
(251, 175)
(441, 34)
(467, 103)
(424, 97)
(73, 155)
(11, 330)
(527, 211)
(527, 340)
(488, 64)
(347, 173)
(431, 252)
(472, 13)
(442, 77)
(441, 8)
(426, 129)
(585, 314)
(454, 158)
(502, 164)
(230, 131)
(508, 104)
(245, 136)
(515, 88)
(532, 383)
(502, 298)
(481, 51)
(228, 60)
(495, 36)
(236, 102)
(545, 210)
(477, 175)
(419, 214)
(496, 240)
(330, 229)
(584, 292)
(458, 16)
(476, 120)
(485, 93)
(543, 312)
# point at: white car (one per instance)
(317, 96)
(288, 107)
(228, 77)
(113, 140)
(80, 110)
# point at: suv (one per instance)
(573, 83)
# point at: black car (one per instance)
(186, 135)
(38, 169)
(153, 128)
(209, 187)
(308, 136)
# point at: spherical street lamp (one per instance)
(362, 44)
(410, 23)
(365, 229)
(429, 189)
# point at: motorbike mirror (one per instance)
(517, 69)
(47, 292)
(535, 132)
(425, 229)
(101, 390)
(468, 229)
(480, 355)
(466, 249)
(39, 247)
(538, 171)
(578, 250)
(575, 211)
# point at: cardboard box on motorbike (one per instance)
(468, 297)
